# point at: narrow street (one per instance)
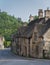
(8, 58)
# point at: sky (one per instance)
(23, 8)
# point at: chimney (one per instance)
(40, 13)
(47, 14)
(31, 18)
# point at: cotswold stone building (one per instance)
(32, 40)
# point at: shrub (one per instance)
(7, 43)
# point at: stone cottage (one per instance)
(31, 40)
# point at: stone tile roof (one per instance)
(30, 28)
(27, 31)
(46, 27)
(20, 32)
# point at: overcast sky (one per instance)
(23, 8)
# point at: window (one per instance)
(33, 42)
(35, 36)
(37, 50)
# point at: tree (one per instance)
(8, 25)
(36, 17)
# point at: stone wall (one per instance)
(47, 42)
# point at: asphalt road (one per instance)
(8, 58)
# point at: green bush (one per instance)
(7, 43)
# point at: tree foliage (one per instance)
(8, 25)
(36, 17)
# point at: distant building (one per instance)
(32, 40)
(1, 42)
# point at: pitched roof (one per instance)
(20, 31)
(30, 28)
(27, 31)
(45, 27)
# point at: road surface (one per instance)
(8, 58)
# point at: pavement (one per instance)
(8, 58)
